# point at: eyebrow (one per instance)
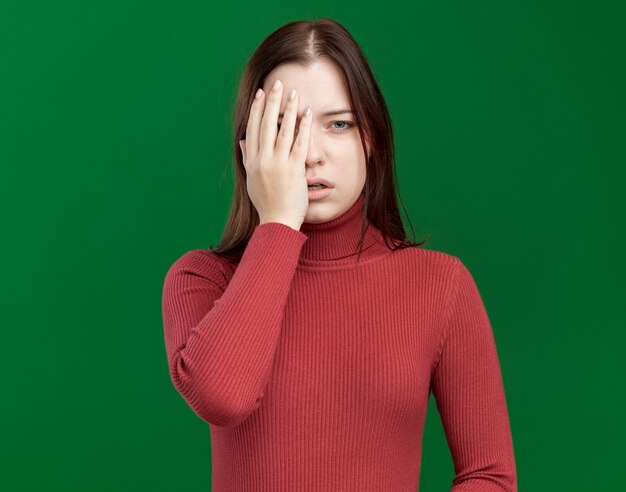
(328, 113)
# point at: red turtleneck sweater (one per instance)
(314, 371)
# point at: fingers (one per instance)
(285, 134)
(267, 136)
(261, 130)
(254, 121)
(301, 145)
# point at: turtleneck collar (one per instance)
(336, 242)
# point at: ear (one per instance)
(242, 146)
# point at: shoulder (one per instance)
(202, 263)
(433, 262)
(456, 282)
(444, 274)
(435, 256)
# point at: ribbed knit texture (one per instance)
(314, 371)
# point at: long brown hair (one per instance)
(303, 43)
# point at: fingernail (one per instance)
(258, 93)
(292, 94)
(276, 85)
(307, 112)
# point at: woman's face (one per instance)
(335, 152)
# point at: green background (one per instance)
(510, 120)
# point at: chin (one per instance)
(320, 214)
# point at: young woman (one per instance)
(311, 338)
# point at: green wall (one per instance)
(510, 120)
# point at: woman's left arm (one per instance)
(468, 388)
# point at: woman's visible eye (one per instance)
(348, 123)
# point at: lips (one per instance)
(317, 181)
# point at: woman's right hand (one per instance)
(276, 172)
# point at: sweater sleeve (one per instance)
(468, 388)
(220, 337)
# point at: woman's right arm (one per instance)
(221, 339)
